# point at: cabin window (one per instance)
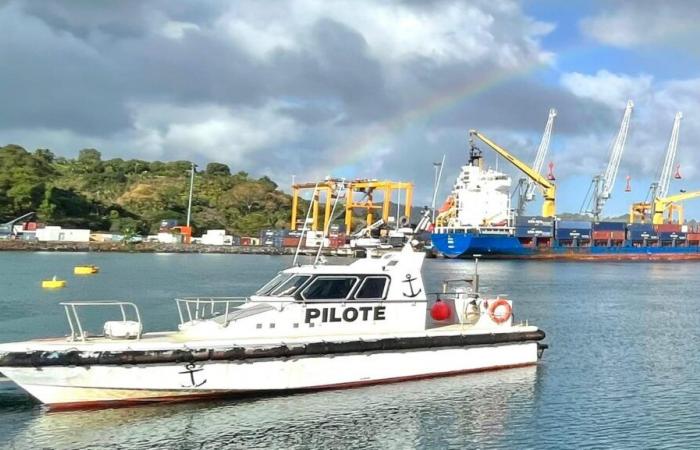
(373, 288)
(290, 286)
(329, 288)
(273, 283)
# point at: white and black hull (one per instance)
(83, 379)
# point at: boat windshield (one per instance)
(270, 285)
(290, 286)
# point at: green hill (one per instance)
(134, 195)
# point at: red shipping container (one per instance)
(245, 241)
(693, 236)
(611, 235)
(290, 241)
(668, 228)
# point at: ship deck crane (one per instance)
(659, 190)
(548, 188)
(602, 185)
(526, 186)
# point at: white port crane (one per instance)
(603, 184)
(659, 201)
(526, 186)
(661, 188)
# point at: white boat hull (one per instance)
(100, 385)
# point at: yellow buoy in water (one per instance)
(85, 270)
(53, 283)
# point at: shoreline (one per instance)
(142, 247)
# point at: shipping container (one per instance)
(534, 221)
(667, 228)
(290, 241)
(168, 223)
(609, 226)
(248, 240)
(600, 235)
(574, 224)
(640, 227)
(572, 233)
(693, 236)
(522, 231)
(670, 236)
(640, 235)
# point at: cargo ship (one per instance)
(477, 219)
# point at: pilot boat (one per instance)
(311, 327)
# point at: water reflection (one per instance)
(473, 408)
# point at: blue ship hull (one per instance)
(465, 245)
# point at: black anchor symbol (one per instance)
(191, 368)
(410, 281)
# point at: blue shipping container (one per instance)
(669, 236)
(641, 227)
(573, 233)
(640, 235)
(571, 224)
(533, 221)
(609, 226)
(533, 231)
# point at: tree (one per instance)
(90, 161)
(44, 155)
(216, 168)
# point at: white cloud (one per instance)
(209, 131)
(609, 88)
(644, 22)
(393, 31)
(656, 104)
(176, 30)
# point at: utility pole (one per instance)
(189, 201)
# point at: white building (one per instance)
(216, 237)
(58, 234)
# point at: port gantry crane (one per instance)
(660, 201)
(602, 185)
(526, 186)
(548, 188)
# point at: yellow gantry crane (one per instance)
(670, 205)
(359, 194)
(548, 188)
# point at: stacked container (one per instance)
(609, 232)
(639, 232)
(272, 237)
(292, 239)
(570, 230)
(534, 226)
(671, 234)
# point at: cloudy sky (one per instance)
(357, 88)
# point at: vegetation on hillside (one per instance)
(133, 195)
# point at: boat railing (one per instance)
(78, 331)
(462, 230)
(201, 308)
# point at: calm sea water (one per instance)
(622, 370)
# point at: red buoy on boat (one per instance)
(440, 310)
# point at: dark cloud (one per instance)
(281, 88)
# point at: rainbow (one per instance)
(365, 143)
